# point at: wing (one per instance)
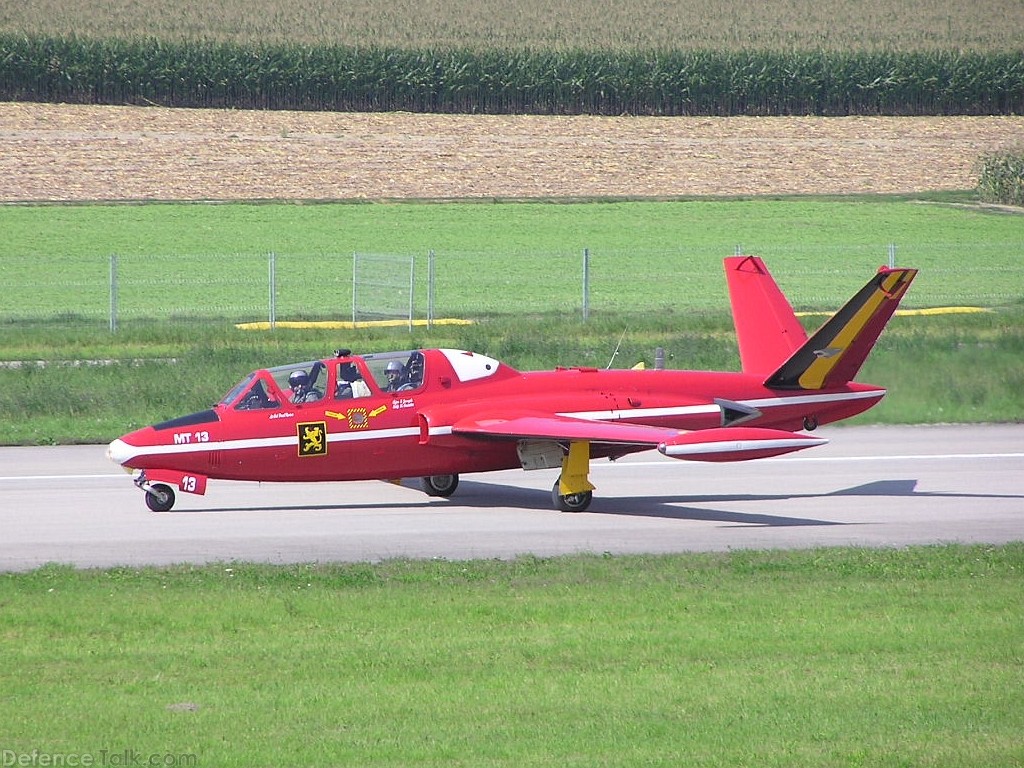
(719, 444)
(562, 428)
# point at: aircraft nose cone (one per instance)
(119, 451)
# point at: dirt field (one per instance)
(57, 152)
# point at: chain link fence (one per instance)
(271, 287)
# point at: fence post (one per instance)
(412, 289)
(430, 288)
(892, 255)
(272, 281)
(586, 284)
(113, 293)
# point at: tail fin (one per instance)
(836, 351)
(767, 330)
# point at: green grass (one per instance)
(955, 368)
(822, 657)
(191, 228)
(190, 260)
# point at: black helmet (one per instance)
(298, 380)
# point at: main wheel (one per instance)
(572, 502)
(160, 497)
(439, 485)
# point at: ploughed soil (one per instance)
(54, 152)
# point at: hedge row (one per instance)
(341, 78)
(1001, 178)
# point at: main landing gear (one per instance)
(570, 502)
(573, 492)
(439, 485)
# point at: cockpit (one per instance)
(343, 377)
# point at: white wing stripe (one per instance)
(690, 410)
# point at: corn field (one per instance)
(566, 25)
(343, 78)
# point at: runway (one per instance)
(870, 486)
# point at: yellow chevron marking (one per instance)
(816, 373)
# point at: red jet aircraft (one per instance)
(436, 413)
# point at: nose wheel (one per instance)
(159, 496)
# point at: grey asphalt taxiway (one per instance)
(870, 486)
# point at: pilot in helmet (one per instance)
(393, 373)
(298, 381)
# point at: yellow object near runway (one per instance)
(348, 324)
(911, 312)
(943, 311)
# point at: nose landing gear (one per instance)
(159, 496)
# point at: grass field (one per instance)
(821, 657)
(211, 260)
